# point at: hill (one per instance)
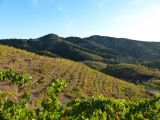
(95, 48)
(83, 82)
(128, 50)
(153, 64)
(100, 66)
(138, 74)
(133, 73)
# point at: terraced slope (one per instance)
(82, 80)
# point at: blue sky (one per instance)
(135, 19)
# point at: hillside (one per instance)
(94, 48)
(82, 81)
(132, 73)
(139, 74)
(100, 66)
(128, 50)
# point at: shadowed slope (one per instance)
(94, 48)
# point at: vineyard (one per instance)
(82, 81)
(99, 108)
(43, 88)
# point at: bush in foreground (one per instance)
(99, 108)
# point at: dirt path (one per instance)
(63, 97)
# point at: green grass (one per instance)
(153, 84)
(96, 108)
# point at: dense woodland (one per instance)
(95, 78)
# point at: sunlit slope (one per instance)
(82, 80)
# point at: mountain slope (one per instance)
(54, 44)
(132, 73)
(129, 49)
(94, 48)
(82, 80)
(139, 74)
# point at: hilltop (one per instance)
(95, 48)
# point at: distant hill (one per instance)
(132, 73)
(138, 74)
(82, 81)
(94, 48)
